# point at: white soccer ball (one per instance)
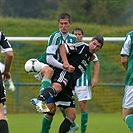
(32, 66)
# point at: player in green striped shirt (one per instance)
(127, 62)
(51, 54)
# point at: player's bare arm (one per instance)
(8, 62)
(124, 61)
(63, 54)
(96, 74)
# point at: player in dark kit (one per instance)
(78, 56)
(7, 49)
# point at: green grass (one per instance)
(39, 27)
(98, 123)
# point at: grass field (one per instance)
(98, 123)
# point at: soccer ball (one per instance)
(32, 66)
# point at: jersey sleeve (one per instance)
(53, 43)
(4, 44)
(96, 58)
(126, 47)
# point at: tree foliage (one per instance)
(111, 12)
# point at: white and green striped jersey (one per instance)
(85, 79)
(55, 40)
(127, 50)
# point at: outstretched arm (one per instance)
(96, 73)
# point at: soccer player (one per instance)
(83, 89)
(52, 58)
(7, 49)
(127, 62)
(11, 85)
(63, 82)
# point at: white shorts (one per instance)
(128, 97)
(83, 93)
(39, 75)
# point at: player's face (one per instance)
(64, 25)
(94, 46)
(79, 35)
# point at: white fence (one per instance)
(109, 39)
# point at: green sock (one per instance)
(46, 124)
(84, 121)
(64, 115)
(129, 121)
(44, 84)
(63, 112)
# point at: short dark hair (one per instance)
(79, 30)
(64, 16)
(99, 39)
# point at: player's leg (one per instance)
(5, 110)
(50, 92)
(3, 122)
(70, 117)
(48, 117)
(127, 105)
(74, 126)
(59, 80)
(84, 94)
(128, 118)
(84, 115)
(45, 76)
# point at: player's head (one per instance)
(96, 43)
(64, 22)
(99, 39)
(79, 34)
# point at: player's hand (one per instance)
(66, 65)
(70, 69)
(7, 76)
(12, 87)
(94, 83)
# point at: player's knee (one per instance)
(53, 110)
(57, 87)
(47, 71)
(71, 116)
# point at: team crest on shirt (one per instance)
(65, 81)
(71, 46)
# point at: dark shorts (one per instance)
(64, 78)
(65, 98)
(2, 94)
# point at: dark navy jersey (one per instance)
(78, 56)
(4, 44)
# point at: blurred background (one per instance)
(32, 18)
(113, 12)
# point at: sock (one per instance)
(63, 112)
(84, 121)
(64, 115)
(45, 84)
(129, 121)
(4, 126)
(65, 125)
(73, 124)
(46, 124)
(46, 93)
